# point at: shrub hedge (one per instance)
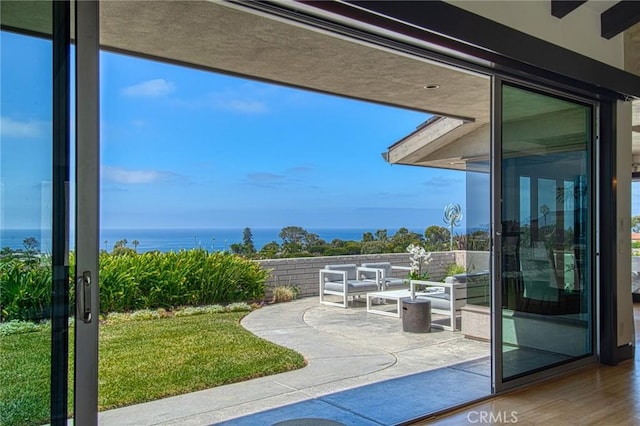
(132, 281)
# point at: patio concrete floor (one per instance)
(358, 363)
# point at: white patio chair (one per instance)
(387, 281)
(343, 280)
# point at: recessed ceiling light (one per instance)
(431, 86)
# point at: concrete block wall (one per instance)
(303, 272)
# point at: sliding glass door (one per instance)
(543, 189)
(48, 308)
(34, 222)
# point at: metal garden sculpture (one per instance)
(452, 217)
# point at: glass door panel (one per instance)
(546, 308)
(35, 307)
(28, 365)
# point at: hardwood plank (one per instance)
(594, 395)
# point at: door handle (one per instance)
(83, 297)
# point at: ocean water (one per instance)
(179, 239)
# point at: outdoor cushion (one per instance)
(380, 265)
(349, 268)
(396, 283)
(438, 300)
(389, 281)
(354, 286)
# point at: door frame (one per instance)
(498, 383)
(87, 211)
(61, 112)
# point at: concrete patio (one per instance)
(357, 363)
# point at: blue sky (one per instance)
(200, 149)
(191, 149)
(185, 148)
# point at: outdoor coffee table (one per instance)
(397, 296)
(394, 295)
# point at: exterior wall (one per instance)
(579, 31)
(632, 50)
(303, 272)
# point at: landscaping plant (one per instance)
(131, 281)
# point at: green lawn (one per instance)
(142, 361)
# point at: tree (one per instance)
(545, 210)
(479, 240)
(293, 240)
(292, 235)
(311, 240)
(635, 223)
(373, 247)
(135, 244)
(120, 248)
(367, 237)
(436, 238)
(247, 242)
(31, 245)
(236, 248)
(381, 235)
(269, 251)
(337, 242)
(403, 238)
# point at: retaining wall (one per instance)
(303, 272)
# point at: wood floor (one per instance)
(596, 395)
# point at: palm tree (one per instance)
(135, 244)
(545, 210)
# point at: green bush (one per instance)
(455, 269)
(21, 327)
(284, 293)
(131, 281)
(25, 289)
(185, 278)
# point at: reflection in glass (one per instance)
(25, 227)
(546, 312)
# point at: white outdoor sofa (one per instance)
(346, 281)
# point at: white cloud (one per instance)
(234, 101)
(21, 129)
(150, 89)
(128, 176)
(291, 178)
(439, 181)
(246, 107)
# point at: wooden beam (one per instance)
(618, 18)
(561, 8)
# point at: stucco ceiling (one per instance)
(220, 38)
